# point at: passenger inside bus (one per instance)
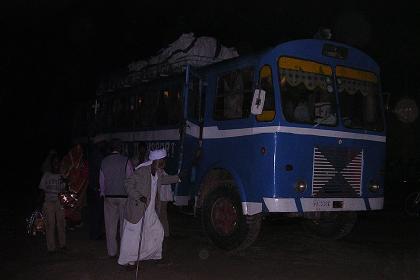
(233, 89)
(323, 110)
(312, 106)
(301, 112)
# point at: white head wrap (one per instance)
(157, 154)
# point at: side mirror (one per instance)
(258, 102)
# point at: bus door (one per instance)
(191, 134)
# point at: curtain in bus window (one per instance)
(307, 92)
(359, 99)
(310, 80)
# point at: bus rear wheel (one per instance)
(333, 225)
(224, 222)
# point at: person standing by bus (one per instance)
(115, 168)
(142, 224)
(165, 191)
(74, 168)
(52, 183)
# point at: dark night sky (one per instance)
(54, 52)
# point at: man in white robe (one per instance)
(141, 220)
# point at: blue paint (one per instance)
(256, 174)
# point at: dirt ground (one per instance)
(383, 245)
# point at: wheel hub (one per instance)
(224, 216)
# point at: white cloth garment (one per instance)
(165, 192)
(152, 235)
(157, 154)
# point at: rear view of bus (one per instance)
(330, 137)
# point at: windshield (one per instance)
(307, 92)
(359, 99)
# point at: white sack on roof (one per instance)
(187, 49)
(137, 66)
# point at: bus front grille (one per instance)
(337, 172)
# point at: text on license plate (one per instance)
(322, 204)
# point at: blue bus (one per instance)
(297, 130)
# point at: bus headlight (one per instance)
(300, 186)
(374, 187)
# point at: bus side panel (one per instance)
(249, 159)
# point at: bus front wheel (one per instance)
(224, 222)
(334, 225)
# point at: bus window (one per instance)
(149, 103)
(124, 113)
(169, 108)
(307, 92)
(234, 94)
(194, 99)
(266, 83)
(359, 99)
(161, 111)
(174, 106)
(108, 113)
(132, 110)
(137, 112)
(116, 113)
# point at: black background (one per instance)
(53, 53)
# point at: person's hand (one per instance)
(183, 175)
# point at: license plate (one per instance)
(321, 204)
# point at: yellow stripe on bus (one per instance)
(304, 65)
(354, 74)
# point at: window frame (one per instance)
(311, 65)
(246, 112)
(372, 78)
(264, 116)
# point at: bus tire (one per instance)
(331, 225)
(224, 222)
